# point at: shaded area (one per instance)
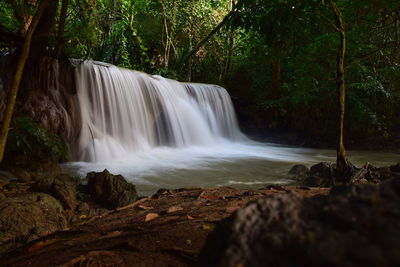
(354, 225)
(129, 236)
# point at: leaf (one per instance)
(174, 209)
(231, 209)
(151, 217)
(143, 207)
(205, 227)
(112, 234)
(40, 244)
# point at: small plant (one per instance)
(30, 140)
(81, 192)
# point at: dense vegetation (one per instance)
(277, 58)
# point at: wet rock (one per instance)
(110, 190)
(395, 168)
(355, 225)
(319, 175)
(384, 173)
(62, 187)
(299, 171)
(323, 169)
(372, 174)
(28, 217)
(162, 192)
(6, 178)
(318, 181)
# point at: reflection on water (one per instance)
(240, 165)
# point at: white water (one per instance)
(161, 133)
(126, 112)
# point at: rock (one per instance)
(162, 192)
(61, 187)
(354, 225)
(2, 196)
(6, 178)
(384, 173)
(83, 207)
(28, 217)
(320, 175)
(24, 176)
(111, 190)
(299, 171)
(395, 168)
(323, 169)
(317, 181)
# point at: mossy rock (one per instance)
(28, 217)
(110, 190)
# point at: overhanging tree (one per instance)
(341, 161)
(285, 24)
(12, 95)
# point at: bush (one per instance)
(30, 142)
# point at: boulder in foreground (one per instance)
(355, 225)
(110, 190)
(28, 217)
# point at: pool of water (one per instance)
(240, 165)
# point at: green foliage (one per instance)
(300, 35)
(81, 193)
(7, 18)
(33, 142)
(155, 37)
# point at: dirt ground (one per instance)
(168, 229)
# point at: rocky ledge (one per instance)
(325, 174)
(101, 221)
(34, 209)
(355, 225)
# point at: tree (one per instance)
(209, 35)
(341, 161)
(12, 95)
(283, 22)
(61, 28)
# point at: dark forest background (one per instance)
(276, 58)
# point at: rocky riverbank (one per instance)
(102, 221)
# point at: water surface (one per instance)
(240, 165)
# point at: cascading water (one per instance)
(126, 111)
(161, 133)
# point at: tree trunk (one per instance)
(40, 40)
(61, 28)
(276, 79)
(166, 38)
(12, 95)
(342, 164)
(209, 35)
(231, 46)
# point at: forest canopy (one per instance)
(276, 58)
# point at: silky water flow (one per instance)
(159, 132)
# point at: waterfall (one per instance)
(125, 111)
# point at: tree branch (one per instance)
(208, 36)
